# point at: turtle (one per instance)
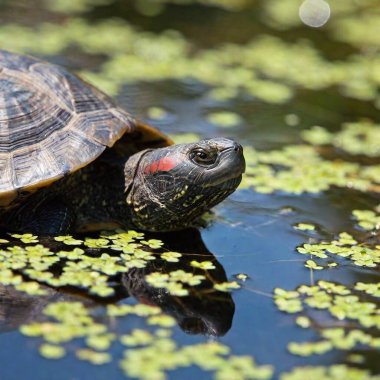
(71, 160)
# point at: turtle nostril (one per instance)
(238, 148)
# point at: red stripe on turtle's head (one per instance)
(164, 164)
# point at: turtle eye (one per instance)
(202, 157)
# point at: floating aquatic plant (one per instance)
(174, 281)
(367, 219)
(143, 363)
(224, 119)
(94, 357)
(205, 265)
(311, 264)
(140, 360)
(260, 68)
(361, 254)
(342, 304)
(334, 372)
(68, 239)
(52, 351)
(304, 227)
(26, 238)
(354, 138)
(373, 288)
(157, 113)
(298, 169)
(242, 276)
(78, 267)
(172, 257)
(226, 286)
(70, 7)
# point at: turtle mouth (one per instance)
(230, 184)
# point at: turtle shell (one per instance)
(52, 123)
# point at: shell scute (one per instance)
(15, 99)
(51, 78)
(6, 172)
(71, 151)
(86, 98)
(29, 166)
(15, 61)
(102, 127)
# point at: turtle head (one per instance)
(168, 188)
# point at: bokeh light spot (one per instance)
(314, 13)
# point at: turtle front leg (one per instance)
(50, 217)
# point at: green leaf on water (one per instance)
(94, 357)
(50, 351)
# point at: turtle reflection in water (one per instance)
(52, 124)
(204, 311)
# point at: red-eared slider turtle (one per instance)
(52, 124)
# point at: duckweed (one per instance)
(311, 264)
(342, 304)
(367, 219)
(140, 310)
(74, 321)
(143, 363)
(303, 321)
(69, 240)
(372, 289)
(307, 349)
(26, 238)
(260, 68)
(70, 7)
(354, 138)
(174, 281)
(185, 138)
(96, 243)
(298, 169)
(287, 301)
(51, 351)
(226, 286)
(304, 227)
(224, 119)
(335, 338)
(361, 254)
(334, 372)
(161, 320)
(157, 113)
(172, 257)
(31, 287)
(242, 277)
(100, 342)
(356, 358)
(205, 265)
(138, 337)
(78, 268)
(94, 357)
(140, 359)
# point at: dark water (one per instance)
(252, 233)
